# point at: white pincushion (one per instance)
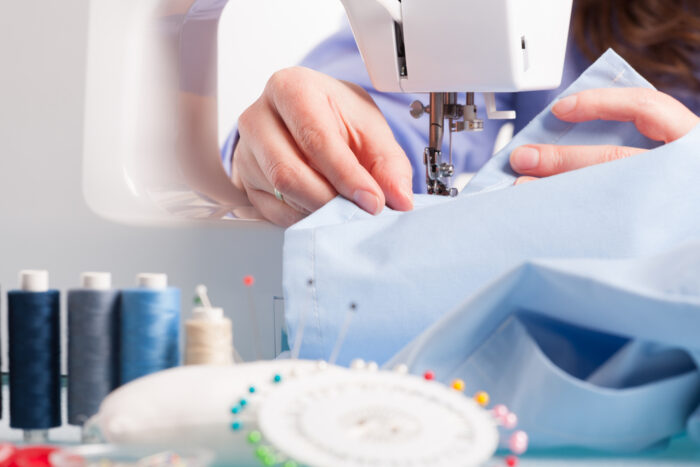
(314, 413)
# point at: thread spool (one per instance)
(150, 327)
(93, 313)
(34, 348)
(209, 335)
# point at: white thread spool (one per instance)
(209, 334)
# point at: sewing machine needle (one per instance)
(450, 143)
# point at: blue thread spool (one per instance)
(93, 326)
(150, 327)
(34, 344)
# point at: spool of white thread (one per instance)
(209, 335)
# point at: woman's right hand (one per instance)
(311, 137)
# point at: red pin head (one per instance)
(248, 281)
(35, 456)
(429, 375)
(7, 454)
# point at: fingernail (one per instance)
(522, 180)
(565, 105)
(367, 201)
(525, 158)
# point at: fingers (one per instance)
(393, 172)
(253, 178)
(311, 137)
(273, 209)
(543, 160)
(264, 204)
(324, 136)
(274, 162)
(524, 179)
(377, 150)
(656, 115)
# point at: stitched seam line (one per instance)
(314, 295)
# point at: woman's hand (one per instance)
(311, 137)
(657, 116)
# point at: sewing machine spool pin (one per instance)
(444, 106)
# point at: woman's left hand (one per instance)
(656, 115)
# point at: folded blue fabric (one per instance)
(550, 339)
(405, 271)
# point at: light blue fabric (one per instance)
(407, 270)
(581, 383)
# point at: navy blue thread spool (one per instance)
(35, 359)
(93, 344)
(150, 327)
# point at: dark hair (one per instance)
(660, 38)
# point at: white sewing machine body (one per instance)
(151, 151)
(462, 45)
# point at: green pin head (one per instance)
(262, 451)
(254, 437)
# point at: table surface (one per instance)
(680, 452)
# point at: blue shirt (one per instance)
(339, 57)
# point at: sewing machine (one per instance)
(445, 47)
(151, 153)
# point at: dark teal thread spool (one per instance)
(93, 345)
(34, 351)
(150, 328)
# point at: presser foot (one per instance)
(438, 174)
(460, 117)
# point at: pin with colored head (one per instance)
(302, 324)
(204, 311)
(201, 297)
(518, 442)
(248, 282)
(343, 333)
